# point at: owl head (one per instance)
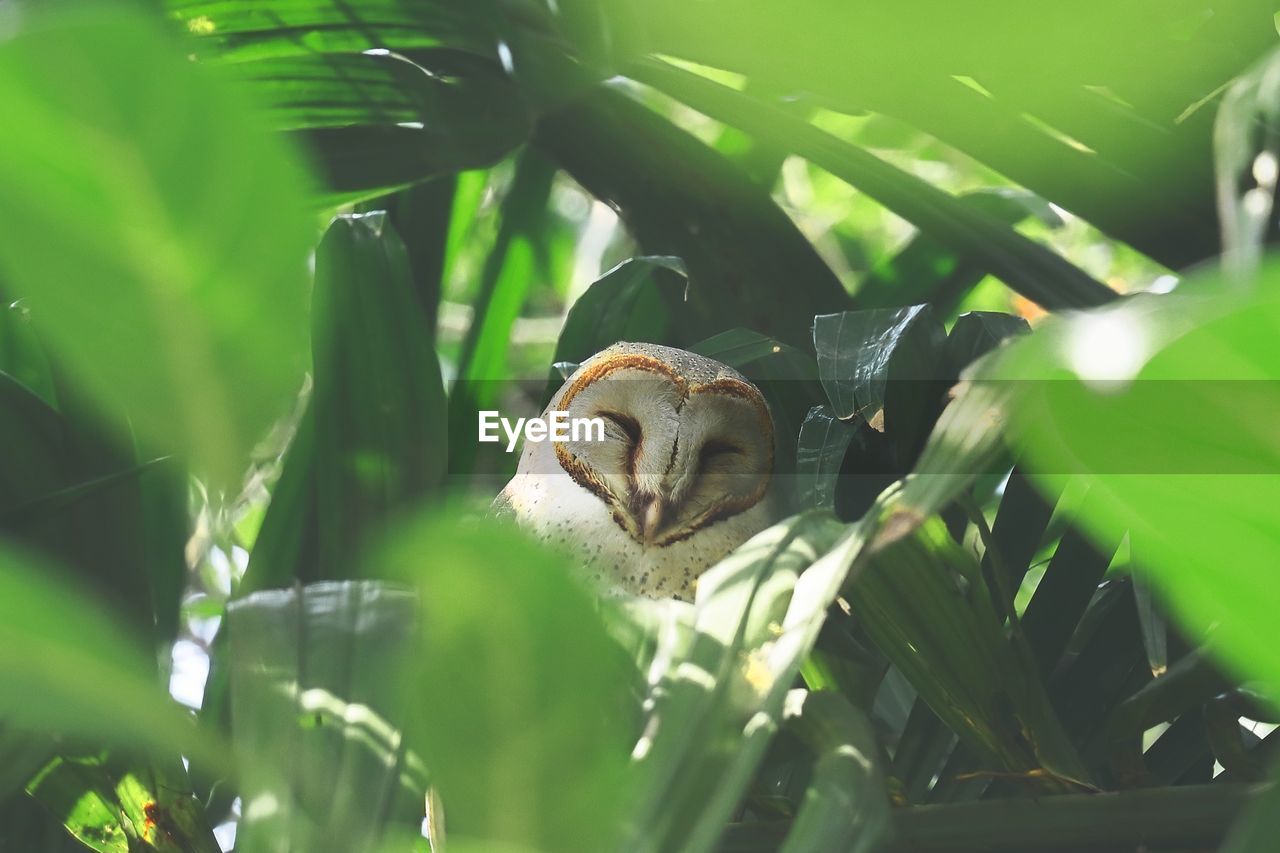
(677, 480)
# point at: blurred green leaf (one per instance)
(67, 668)
(1259, 822)
(316, 706)
(1076, 105)
(520, 700)
(73, 494)
(508, 274)
(1246, 160)
(1165, 396)
(22, 357)
(140, 244)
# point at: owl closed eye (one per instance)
(679, 478)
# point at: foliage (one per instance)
(262, 262)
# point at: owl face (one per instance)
(679, 479)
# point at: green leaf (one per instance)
(378, 404)
(885, 367)
(68, 668)
(714, 709)
(141, 246)
(115, 807)
(235, 30)
(1069, 583)
(508, 274)
(316, 710)
(71, 493)
(638, 300)
(925, 270)
(920, 600)
(423, 215)
(380, 120)
(748, 265)
(846, 806)
(977, 333)
(372, 442)
(1030, 269)
(520, 699)
(820, 450)
(1165, 396)
(1067, 105)
(22, 357)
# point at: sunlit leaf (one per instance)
(316, 712)
(846, 806)
(113, 806)
(1166, 397)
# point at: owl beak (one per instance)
(648, 514)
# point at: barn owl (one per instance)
(679, 478)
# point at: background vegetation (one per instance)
(263, 261)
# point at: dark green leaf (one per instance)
(381, 120)
(748, 265)
(638, 300)
(1031, 269)
(234, 30)
(916, 600)
(928, 271)
(859, 352)
(378, 402)
(976, 333)
(820, 450)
